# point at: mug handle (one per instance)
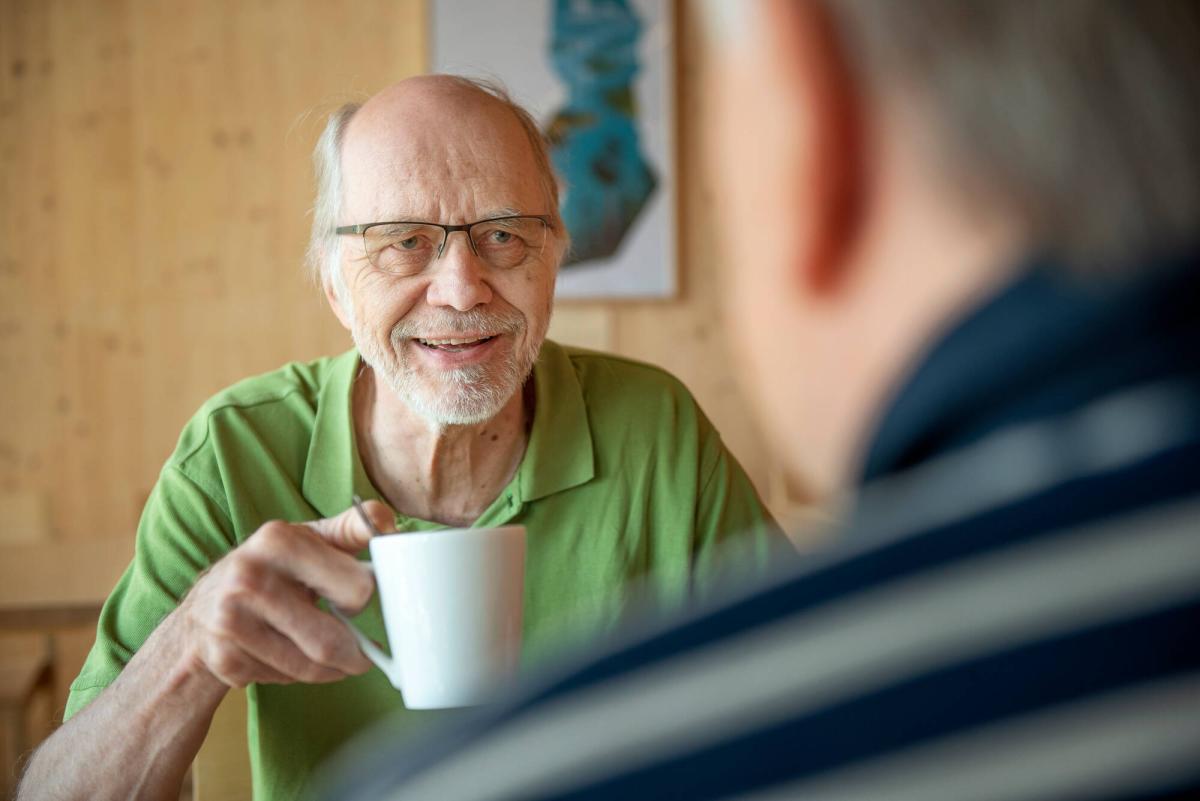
(369, 648)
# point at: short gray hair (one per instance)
(324, 247)
(1082, 117)
(324, 252)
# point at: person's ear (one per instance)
(829, 173)
(336, 301)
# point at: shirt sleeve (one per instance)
(183, 531)
(735, 537)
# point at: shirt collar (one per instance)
(333, 473)
(559, 454)
(1039, 346)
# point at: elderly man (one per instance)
(436, 239)
(964, 241)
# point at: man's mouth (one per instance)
(456, 345)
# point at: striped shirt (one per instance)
(1011, 612)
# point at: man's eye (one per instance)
(408, 244)
(501, 237)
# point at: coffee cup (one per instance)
(451, 603)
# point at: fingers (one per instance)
(381, 515)
(235, 668)
(275, 655)
(257, 625)
(308, 559)
(349, 532)
(253, 616)
(313, 636)
(267, 658)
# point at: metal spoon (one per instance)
(358, 504)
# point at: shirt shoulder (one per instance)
(276, 410)
(637, 408)
(623, 385)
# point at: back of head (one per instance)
(1080, 117)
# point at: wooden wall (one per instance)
(154, 187)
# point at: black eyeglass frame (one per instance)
(361, 228)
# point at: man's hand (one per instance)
(253, 616)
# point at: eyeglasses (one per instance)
(407, 248)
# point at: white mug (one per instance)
(451, 604)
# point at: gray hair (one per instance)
(1081, 117)
(324, 246)
(324, 249)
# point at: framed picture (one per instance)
(599, 77)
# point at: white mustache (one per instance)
(459, 323)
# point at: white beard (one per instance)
(460, 396)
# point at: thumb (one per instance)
(349, 532)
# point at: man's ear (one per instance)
(335, 302)
(813, 69)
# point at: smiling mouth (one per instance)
(454, 345)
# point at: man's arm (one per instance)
(252, 618)
(735, 536)
(138, 737)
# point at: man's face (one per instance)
(457, 339)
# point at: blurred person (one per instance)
(962, 248)
(437, 240)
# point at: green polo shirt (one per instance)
(624, 485)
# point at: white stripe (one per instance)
(1097, 749)
(840, 651)
(1004, 468)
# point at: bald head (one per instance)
(433, 102)
(435, 148)
(440, 149)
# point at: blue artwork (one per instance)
(593, 136)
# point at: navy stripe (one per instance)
(1184, 790)
(947, 701)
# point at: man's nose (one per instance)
(458, 277)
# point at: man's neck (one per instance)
(449, 474)
(924, 257)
